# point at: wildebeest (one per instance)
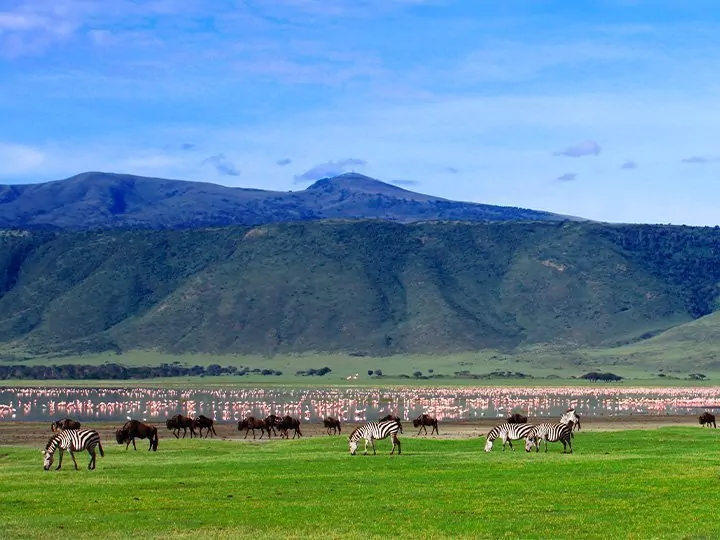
(252, 423)
(572, 418)
(332, 424)
(134, 429)
(270, 422)
(65, 423)
(517, 418)
(392, 417)
(706, 419)
(203, 422)
(425, 420)
(287, 423)
(178, 422)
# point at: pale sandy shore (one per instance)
(36, 433)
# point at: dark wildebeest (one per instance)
(332, 424)
(134, 429)
(252, 423)
(178, 422)
(270, 423)
(65, 423)
(517, 418)
(392, 417)
(425, 420)
(572, 418)
(706, 419)
(288, 423)
(203, 422)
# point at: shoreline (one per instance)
(34, 433)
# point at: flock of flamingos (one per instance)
(351, 404)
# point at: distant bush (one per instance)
(378, 372)
(697, 376)
(370, 372)
(607, 377)
(314, 372)
(120, 372)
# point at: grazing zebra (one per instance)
(72, 440)
(549, 432)
(373, 431)
(508, 432)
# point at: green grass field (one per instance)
(544, 366)
(627, 484)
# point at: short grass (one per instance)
(628, 484)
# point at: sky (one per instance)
(605, 109)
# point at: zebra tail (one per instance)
(102, 452)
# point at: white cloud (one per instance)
(19, 159)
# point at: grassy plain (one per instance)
(640, 364)
(623, 484)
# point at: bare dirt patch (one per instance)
(37, 434)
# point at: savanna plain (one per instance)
(622, 481)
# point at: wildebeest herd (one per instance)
(70, 436)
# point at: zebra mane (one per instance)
(354, 431)
(54, 439)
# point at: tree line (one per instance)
(120, 372)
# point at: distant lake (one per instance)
(349, 404)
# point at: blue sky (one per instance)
(606, 109)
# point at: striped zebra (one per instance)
(72, 440)
(549, 432)
(507, 432)
(375, 431)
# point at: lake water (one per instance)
(349, 404)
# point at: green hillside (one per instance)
(361, 287)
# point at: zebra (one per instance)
(72, 440)
(549, 432)
(373, 431)
(507, 432)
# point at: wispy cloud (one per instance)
(567, 177)
(451, 170)
(699, 159)
(283, 162)
(585, 148)
(629, 164)
(404, 182)
(222, 165)
(328, 169)
(18, 158)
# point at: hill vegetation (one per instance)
(361, 287)
(105, 201)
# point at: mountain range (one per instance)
(96, 200)
(363, 286)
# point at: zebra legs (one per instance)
(93, 456)
(60, 459)
(72, 455)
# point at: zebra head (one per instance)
(353, 447)
(531, 442)
(48, 461)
